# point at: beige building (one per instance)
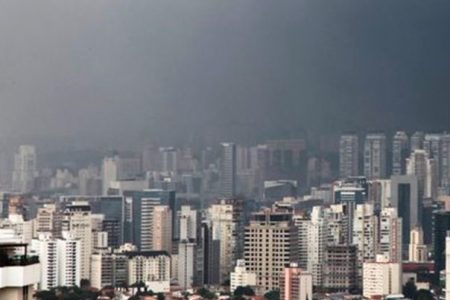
(270, 244)
(296, 284)
(382, 277)
(77, 222)
(162, 228)
(241, 276)
(418, 251)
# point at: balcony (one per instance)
(17, 268)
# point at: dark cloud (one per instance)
(158, 69)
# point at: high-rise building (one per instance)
(390, 235)
(71, 262)
(317, 241)
(109, 269)
(418, 251)
(365, 233)
(445, 163)
(110, 172)
(400, 151)
(169, 160)
(241, 276)
(375, 162)
(186, 263)
(417, 140)
(150, 267)
(340, 270)
(190, 256)
(270, 244)
(433, 147)
(303, 224)
(348, 156)
(48, 219)
(227, 219)
(424, 168)
(228, 170)
(210, 255)
(162, 228)
(447, 266)
(295, 283)
(405, 198)
(24, 169)
(60, 260)
(350, 193)
(139, 208)
(441, 226)
(77, 223)
(47, 249)
(17, 277)
(382, 277)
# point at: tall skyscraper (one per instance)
(110, 172)
(227, 218)
(405, 198)
(441, 226)
(78, 224)
(424, 168)
(447, 265)
(433, 147)
(417, 140)
(24, 169)
(400, 151)
(365, 234)
(375, 156)
(348, 156)
(445, 163)
(270, 243)
(418, 251)
(228, 170)
(390, 243)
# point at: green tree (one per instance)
(241, 291)
(410, 289)
(423, 295)
(272, 295)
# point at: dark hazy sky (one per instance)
(228, 68)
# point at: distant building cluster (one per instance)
(346, 218)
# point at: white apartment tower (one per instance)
(78, 224)
(382, 277)
(365, 233)
(390, 244)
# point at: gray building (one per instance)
(400, 151)
(348, 156)
(405, 197)
(228, 170)
(375, 156)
